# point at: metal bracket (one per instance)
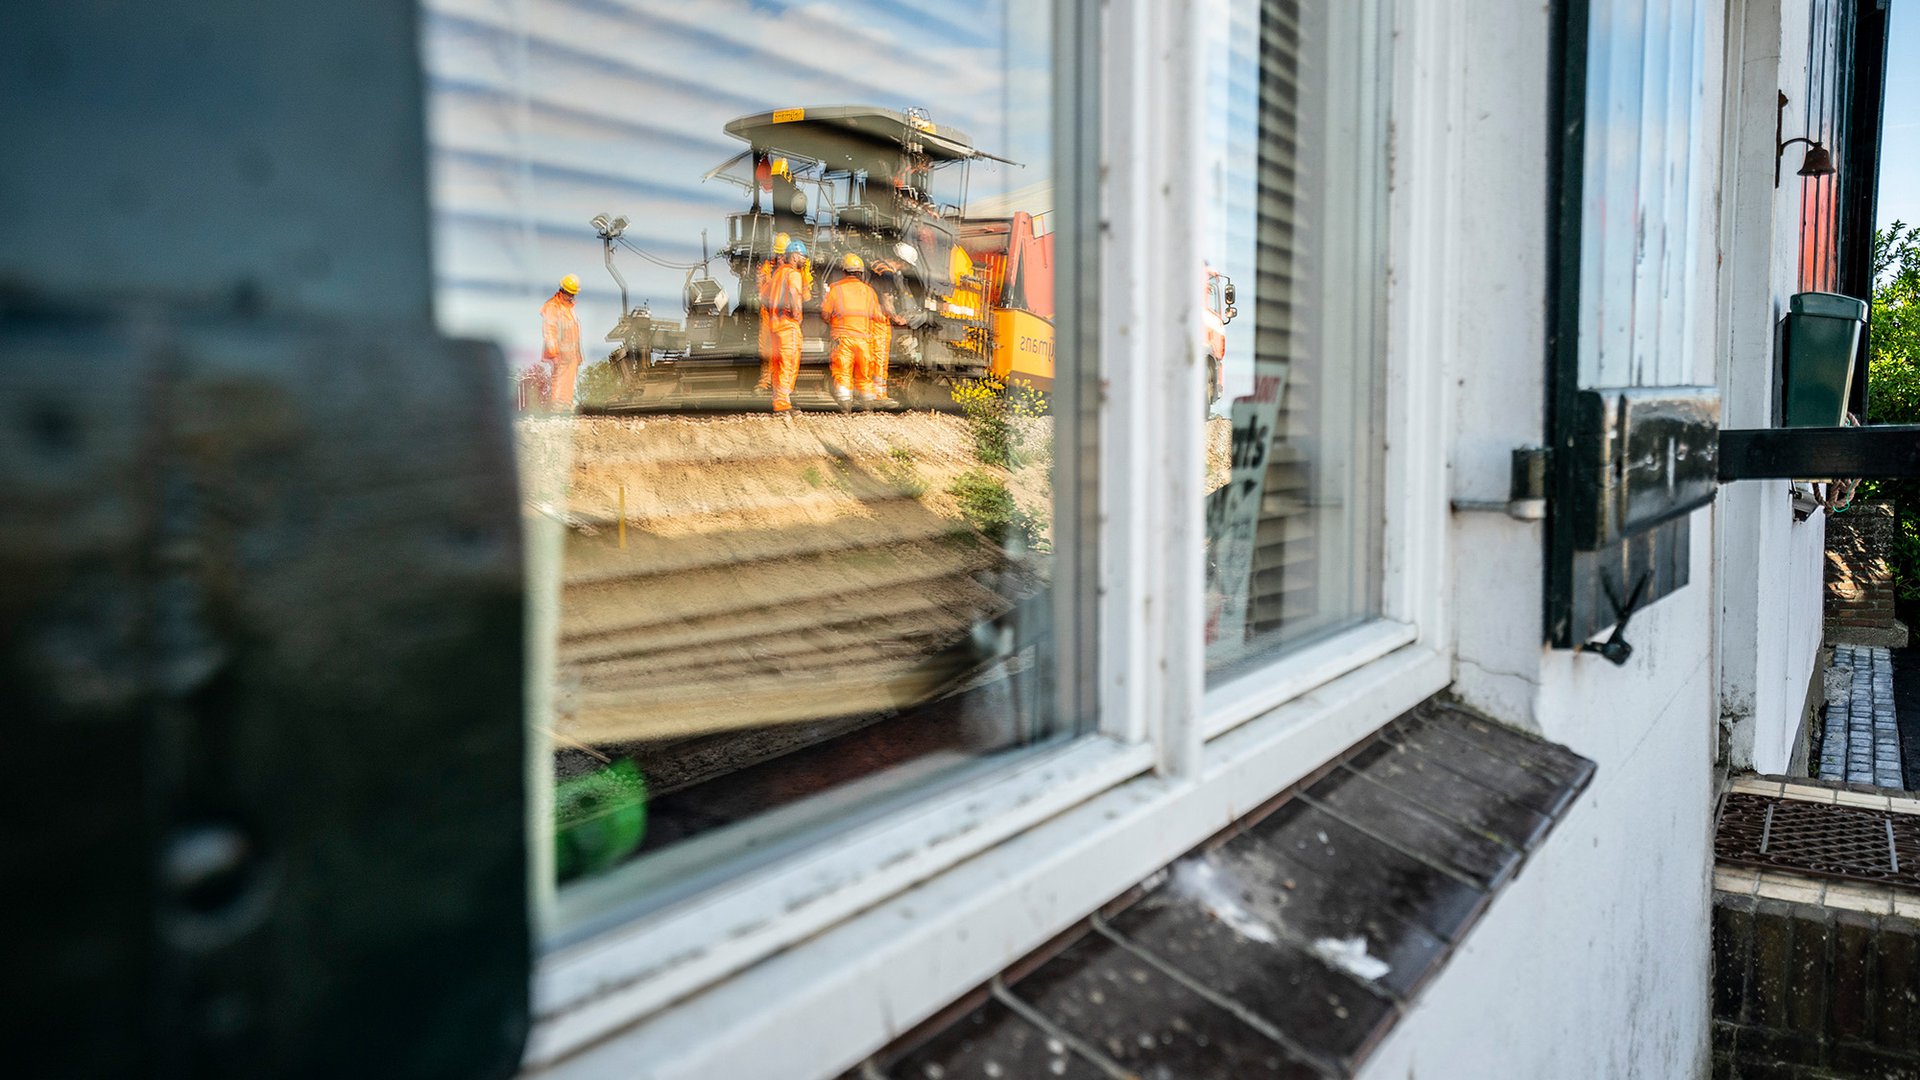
(1878, 451)
(1644, 455)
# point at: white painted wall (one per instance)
(1769, 588)
(1594, 962)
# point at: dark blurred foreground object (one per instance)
(260, 581)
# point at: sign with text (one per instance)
(1233, 513)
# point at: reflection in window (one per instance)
(1294, 297)
(794, 264)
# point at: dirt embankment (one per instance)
(773, 570)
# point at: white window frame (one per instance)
(806, 965)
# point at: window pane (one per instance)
(788, 451)
(1294, 296)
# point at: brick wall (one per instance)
(1801, 992)
(1859, 583)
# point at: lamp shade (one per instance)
(1818, 163)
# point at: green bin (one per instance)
(1822, 337)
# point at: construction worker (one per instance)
(891, 286)
(560, 341)
(852, 310)
(786, 295)
(765, 286)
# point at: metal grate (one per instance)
(1844, 842)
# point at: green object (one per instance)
(1822, 338)
(598, 819)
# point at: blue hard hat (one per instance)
(797, 248)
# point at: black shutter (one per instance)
(260, 582)
(1633, 446)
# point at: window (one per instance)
(789, 477)
(1042, 524)
(1295, 293)
(835, 708)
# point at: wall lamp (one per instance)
(1818, 162)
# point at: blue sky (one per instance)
(1900, 138)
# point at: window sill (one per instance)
(819, 1006)
(1293, 945)
(584, 990)
(1240, 699)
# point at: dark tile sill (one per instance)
(1290, 944)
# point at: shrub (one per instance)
(599, 384)
(992, 409)
(1893, 386)
(988, 506)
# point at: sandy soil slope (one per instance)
(775, 570)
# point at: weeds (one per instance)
(988, 506)
(993, 410)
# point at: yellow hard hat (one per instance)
(780, 243)
(570, 285)
(852, 264)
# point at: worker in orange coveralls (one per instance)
(785, 296)
(765, 287)
(889, 290)
(852, 310)
(560, 341)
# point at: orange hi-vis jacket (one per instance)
(764, 283)
(560, 330)
(560, 346)
(852, 308)
(767, 269)
(786, 293)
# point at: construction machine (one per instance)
(969, 298)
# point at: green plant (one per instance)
(899, 472)
(995, 411)
(600, 384)
(988, 506)
(1893, 386)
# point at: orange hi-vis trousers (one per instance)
(882, 351)
(851, 309)
(786, 291)
(766, 355)
(852, 362)
(786, 363)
